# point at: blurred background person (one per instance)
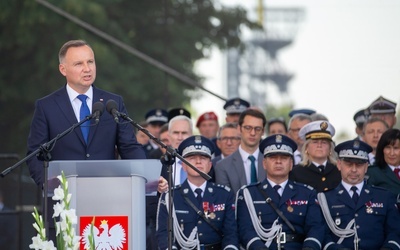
(276, 125)
(164, 138)
(208, 125)
(296, 122)
(360, 117)
(141, 137)
(8, 226)
(385, 172)
(155, 118)
(372, 132)
(228, 141)
(234, 107)
(318, 167)
(384, 109)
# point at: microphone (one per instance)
(112, 107)
(98, 109)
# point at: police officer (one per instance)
(234, 107)
(155, 118)
(203, 216)
(278, 213)
(359, 216)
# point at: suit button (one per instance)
(325, 189)
(87, 155)
(323, 178)
(199, 222)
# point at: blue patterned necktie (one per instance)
(83, 112)
(253, 171)
(355, 194)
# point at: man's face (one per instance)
(232, 118)
(276, 128)
(352, 173)
(79, 68)
(164, 138)
(154, 129)
(209, 128)
(373, 132)
(201, 162)
(293, 131)
(251, 131)
(179, 131)
(278, 167)
(389, 118)
(142, 138)
(229, 141)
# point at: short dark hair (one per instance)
(280, 120)
(70, 44)
(254, 113)
(389, 137)
(233, 125)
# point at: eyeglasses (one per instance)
(249, 128)
(231, 138)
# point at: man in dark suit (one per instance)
(58, 111)
(203, 211)
(359, 216)
(244, 166)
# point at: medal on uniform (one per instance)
(212, 214)
(338, 221)
(205, 207)
(289, 206)
(368, 207)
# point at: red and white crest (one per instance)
(110, 232)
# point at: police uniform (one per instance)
(301, 111)
(382, 106)
(370, 223)
(212, 223)
(259, 224)
(154, 116)
(311, 175)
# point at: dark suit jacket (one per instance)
(54, 114)
(230, 171)
(383, 177)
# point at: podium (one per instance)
(110, 188)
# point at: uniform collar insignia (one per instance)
(290, 186)
(340, 191)
(265, 186)
(210, 189)
(367, 191)
(186, 190)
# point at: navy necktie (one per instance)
(83, 112)
(253, 171)
(355, 194)
(198, 191)
(321, 168)
(277, 187)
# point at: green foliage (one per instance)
(175, 32)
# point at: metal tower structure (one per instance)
(250, 73)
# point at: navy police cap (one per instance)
(157, 116)
(277, 144)
(178, 111)
(301, 111)
(382, 106)
(196, 145)
(353, 150)
(236, 106)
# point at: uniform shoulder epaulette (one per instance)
(377, 187)
(303, 185)
(177, 187)
(250, 185)
(223, 187)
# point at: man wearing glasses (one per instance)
(244, 166)
(228, 141)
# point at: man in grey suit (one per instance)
(244, 166)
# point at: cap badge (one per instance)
(356, 144)
(278, 139)
(181, 111)
(158, 112)
(323, 126)
(236, 102)
(197, 139)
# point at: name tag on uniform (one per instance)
(181, 211)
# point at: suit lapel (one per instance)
(238, 166)
(344, 197)
(261, 172)
(97, 97)
(389, 174)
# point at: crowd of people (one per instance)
(274, 185)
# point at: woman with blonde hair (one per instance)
(318, 167)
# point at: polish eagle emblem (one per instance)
(105, 238)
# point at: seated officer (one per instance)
(359, 216)
(278, 213)
(204, 216)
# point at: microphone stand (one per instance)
(169, 159)
(43, 153)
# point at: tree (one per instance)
(175, 32)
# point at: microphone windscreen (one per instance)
(98, 106)
(110, 105)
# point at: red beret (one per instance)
(206, 116)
